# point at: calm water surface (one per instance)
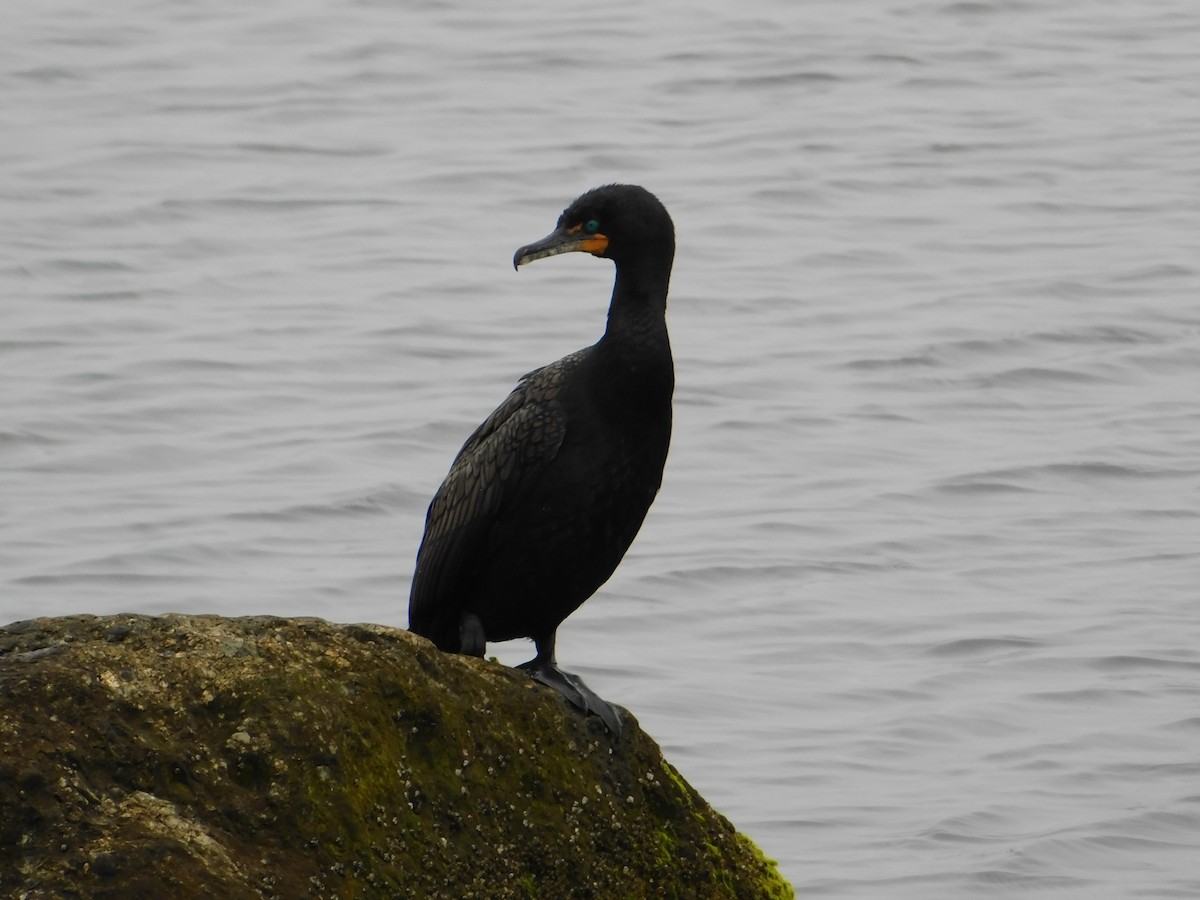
(917, 606)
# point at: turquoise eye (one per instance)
(592, 226)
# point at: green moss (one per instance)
(666, 847)
(774, 885)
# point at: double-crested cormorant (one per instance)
(546, 496)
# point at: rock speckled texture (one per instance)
(199, 756)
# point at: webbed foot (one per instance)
(577, 693)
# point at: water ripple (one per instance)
(914, 606)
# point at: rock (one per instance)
(199, 756)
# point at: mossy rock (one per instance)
(199, 756)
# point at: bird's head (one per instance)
(618, 221)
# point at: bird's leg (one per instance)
(544, 669)
(471, 634)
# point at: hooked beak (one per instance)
(561, 240)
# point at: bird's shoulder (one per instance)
(531, 414)
(512, 445)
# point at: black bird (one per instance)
(546, 496)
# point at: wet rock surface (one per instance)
(200, 756)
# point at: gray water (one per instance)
(917, 605)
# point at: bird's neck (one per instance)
(637, 321)
(635, 352)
